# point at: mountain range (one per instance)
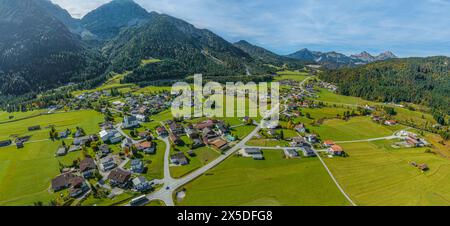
(43, 47)
(335, 60)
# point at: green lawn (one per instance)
(25, 174)
(275, 181)
(376, 174)
(119, 200)
(357, 128)
(4, 116)
(204, 155)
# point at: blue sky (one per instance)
(405, 27)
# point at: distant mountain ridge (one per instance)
(335, 60)
(266, 56)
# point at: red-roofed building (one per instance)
(328, 143)
(335, 150)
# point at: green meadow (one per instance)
(376, 174)
(25, 174)
(5, 116)
(357, 128)
(275, 181)
(203, 156)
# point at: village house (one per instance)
(119, 178)
(209, 135)
(219, 144)
(206, 124)
(76, 184)
(78, 133)
(61, 151)
(74, 148)
(116, 138)
(88, 167)
(107, 164)
(141, 118)
(137, 166)
(290, 153)
(390, 122)
(312, 138)
(300, 128)
(308, 151)
(141, 184)
(104, 150)
(176, 128)
(335, 150)
(179, 159)
(176, 139)
(191, 132)
(144, 134)
(127, 143)
(147, 147)
(130, 122)
(64, 134)
(161, 131)
(197, 142)
(223, 129)
(328, 143)
(297, 142)
(255, 153)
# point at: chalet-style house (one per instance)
(130, 122)
(147, 147)
(141, 184)
(76, 184)
(88, 167)
(335, 150)
(119, 177)
(219, 144)
(61, 151)
(161, 131)
(308, 151)
(107, 164)
(390, 122)
(137, 166)
(255, 153)
(328, 143)
(176, 128)
(291, 153)
(179, 159)
(300, 128)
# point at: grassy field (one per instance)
(116, 201)
(204, 155)
(4, 116)
(274, 181)
(376, 174)
(357, 128)
(25, 174)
